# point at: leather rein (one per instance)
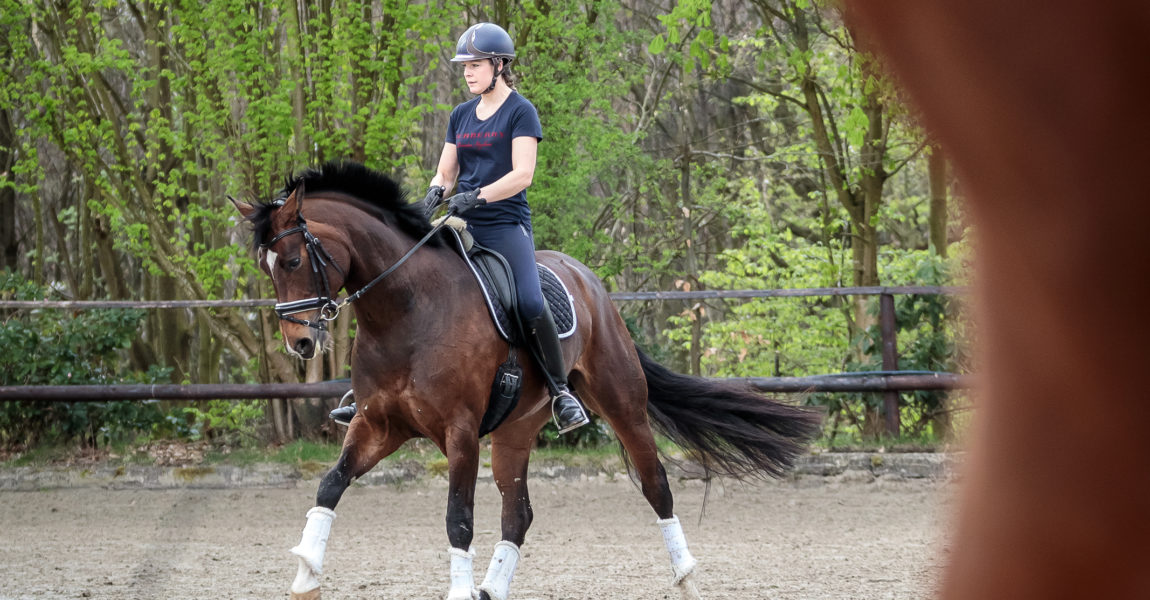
(319, 258)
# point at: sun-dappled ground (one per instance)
(812, 538)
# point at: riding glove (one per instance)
(432, 200)
(461, 203)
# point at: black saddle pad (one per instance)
(498, 285)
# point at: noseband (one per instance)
(319, 258)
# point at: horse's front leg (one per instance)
(363, 448)
(509, 457)
(462, 450)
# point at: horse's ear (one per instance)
(291, 203)
(294, 202)
(245, 209)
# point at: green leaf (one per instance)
(657, 45)
(856, 127)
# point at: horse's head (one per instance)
(307, 261)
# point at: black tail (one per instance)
(730, 429)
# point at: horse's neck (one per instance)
(430, 286)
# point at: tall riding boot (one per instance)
(569, 414)
(343, 414)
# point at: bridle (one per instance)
(319, 258)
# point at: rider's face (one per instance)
(477, 74)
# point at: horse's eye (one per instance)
(293, 264)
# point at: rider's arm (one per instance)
(448, 168)
(523, 152)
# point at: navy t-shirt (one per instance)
(483, 150)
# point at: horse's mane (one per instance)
(387, 201)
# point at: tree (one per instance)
(687, 145)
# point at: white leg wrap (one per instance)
(682, 563)
(305, 579)
(497, 583)
(462, 579)
(311, 549)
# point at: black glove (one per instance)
(461, 203)
(432, 200)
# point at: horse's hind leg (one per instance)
(363, 448)
(619, 394)
(510, 451)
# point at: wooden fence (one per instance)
(890, 381)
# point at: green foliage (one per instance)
(224, 420)
(575, 86)
(51, 347)
(680, 151)
(690, 21)
(774, 336)
(592, 435)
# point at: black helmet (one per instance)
(484, 40)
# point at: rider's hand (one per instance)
(432, 200)
(461, 203)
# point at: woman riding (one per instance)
(489, 156)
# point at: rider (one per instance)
(490, 147)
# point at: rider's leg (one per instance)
(569, 414)
(343, 414)
(516, 244)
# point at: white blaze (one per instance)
(271, 260)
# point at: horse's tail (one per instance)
(730, 429)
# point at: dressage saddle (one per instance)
(497, 283)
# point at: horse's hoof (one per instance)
(311, 595)
(483, 596)
(687, 588)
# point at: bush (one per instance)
(57, 347)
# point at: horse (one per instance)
(425, 353)
(1042, 114)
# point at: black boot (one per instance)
(569, 414)
(343, 414)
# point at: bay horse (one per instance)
(426, 351)
(1043, 114)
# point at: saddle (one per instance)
(497, 283)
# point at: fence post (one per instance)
(889, 361)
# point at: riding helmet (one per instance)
(484, 40)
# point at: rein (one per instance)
(319, 258)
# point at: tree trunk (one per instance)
(171, 333)
(861, 200)
(941, 422)
(936, 166)
(691, 263)
(9, 249)
(294, 63)
(309, 411)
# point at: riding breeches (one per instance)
(517, 244)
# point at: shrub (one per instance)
(44, 346)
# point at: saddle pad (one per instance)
(497, 285)
(561, 301)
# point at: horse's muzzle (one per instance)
(305, 347)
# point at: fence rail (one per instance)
(888, 382)
(844, 382)
(618, 296)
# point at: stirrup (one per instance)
(567, 411)
(342, 415)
